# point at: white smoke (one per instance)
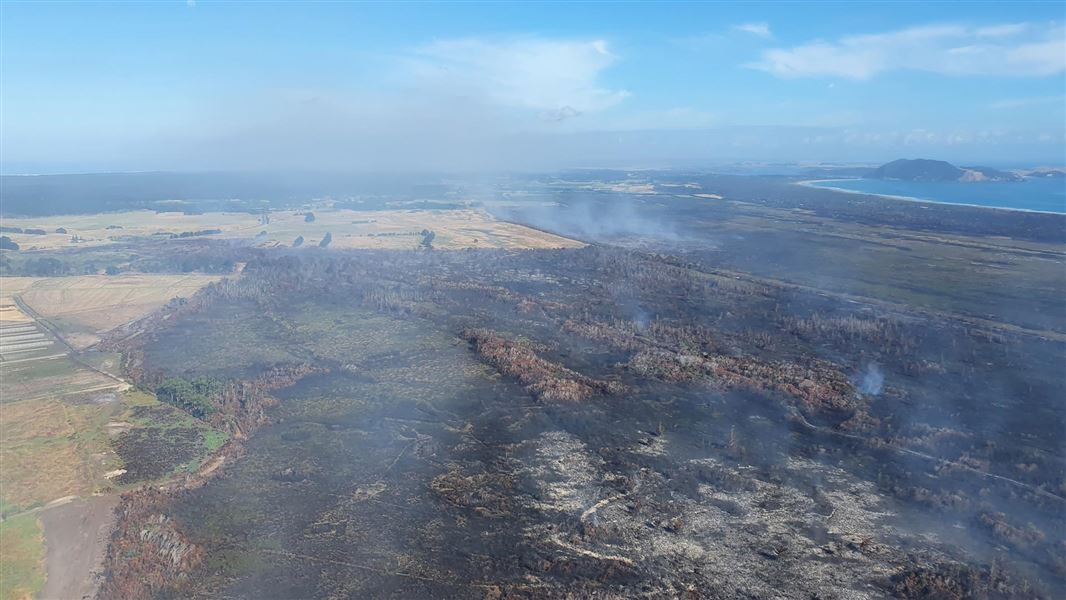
(873, 380)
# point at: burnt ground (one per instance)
(728, 448)
(659, 416)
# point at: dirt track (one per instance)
(76, 535)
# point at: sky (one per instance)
(94, 86)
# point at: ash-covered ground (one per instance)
(649, 417)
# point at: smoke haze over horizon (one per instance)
(369, 87)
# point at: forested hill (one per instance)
(923, 169)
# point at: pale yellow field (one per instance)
(10, 286)
(392, 229)
(103, 302)
(9, 313)
(401, 230)
(53, 448)
(85, 306)
(34, 366)
(93, 229)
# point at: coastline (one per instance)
(810, 183)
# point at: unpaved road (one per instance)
(76, 536)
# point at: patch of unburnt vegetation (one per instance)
(194, 396)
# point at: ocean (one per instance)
(1045, 195)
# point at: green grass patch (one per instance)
(30, 370)
(21, 558)
(213, 440)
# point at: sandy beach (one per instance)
(811, 184)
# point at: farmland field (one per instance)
(21, 558)
(394, 229)
(69, 431)
(50, 377)
(35, 365)
(82, 307)
(10, 314)
(107, 228)
(55, 448)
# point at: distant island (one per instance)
(923, 169)
(1034, 189)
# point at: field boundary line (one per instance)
(73, 353)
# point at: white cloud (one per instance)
(1009, 103)
(463, 105)
(1006, 30)
(1015, 49)
(760, 29)
(549, 77)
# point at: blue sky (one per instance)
(177, 85)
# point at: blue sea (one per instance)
(1046, 195)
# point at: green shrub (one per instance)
(194, 396)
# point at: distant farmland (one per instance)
(374, 229)
(82, 307)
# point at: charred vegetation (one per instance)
(600, 421)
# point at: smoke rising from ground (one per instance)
(872, 380)
(589, 219)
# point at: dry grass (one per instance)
(15, 285)
(93, 229)
(102, 302)
(21, 558)
(401, 230)
(51, 449)
(389, 229)
(10, 314)
(10, 286)
(85, 306)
